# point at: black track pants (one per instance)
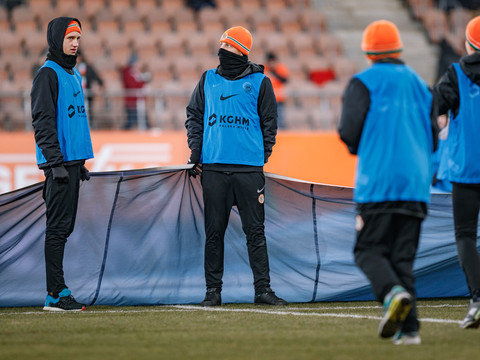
(61, 201)
(221, 191)
(385, 251)
(466, 204)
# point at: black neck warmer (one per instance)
(62, 59)
(232, 64)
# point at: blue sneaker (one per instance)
(64, 302)
(396, 306)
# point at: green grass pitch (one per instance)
(340, 330)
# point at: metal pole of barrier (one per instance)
(27, 111)
(159, 108)
(141, 114)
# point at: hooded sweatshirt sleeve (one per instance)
(356, 103)
(44, 97)
(195, 111)
(446, 92)
(267, 109)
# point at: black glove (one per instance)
(84, 173)
(194, 159)
(60, 174)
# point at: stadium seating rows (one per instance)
(176, 44)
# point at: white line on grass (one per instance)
(294, 311)
(372, 307)
(289, 312)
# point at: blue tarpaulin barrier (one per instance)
(139, 240)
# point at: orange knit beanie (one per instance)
(472, 33)
(73, 26)
(381, 39)
(239, 37)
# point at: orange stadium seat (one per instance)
(250, 6)
(146, 44)
(227, 4)
(272, 41)
(106, 22)
(202, 44)
(184, 20)
(121, 7)
(328, 45)
(262, 21)
(10, 43)
(67, 8)
(288, 21)
(161, 71)
(240, 18)
(274, 6)
(34, 43)
(302, 44)
(186, 69)
(313, 21)
(39, 6)
(173, 44)
(92, 7)
(159, 21)
(4, 21)
(132, 23)
(92, 45)
(209, 20)
(144, 7)
(172, 5)
(24, 20)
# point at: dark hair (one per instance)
(271, 56)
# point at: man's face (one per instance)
(71, 43)
(230, 48)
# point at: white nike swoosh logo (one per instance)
(259, 191)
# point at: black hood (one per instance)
(55, 35)
(470, 64)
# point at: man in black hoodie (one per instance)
(231, 128)
(458, 93)
(63, 143)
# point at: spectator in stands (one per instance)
(458, 92)
(197, 5)
(134, 80)
(388, 120)
(90, 77)
(231, 129)
(63, 143)
(278, 74)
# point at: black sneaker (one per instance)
(64, 302)
(268, 297)
(212, 298)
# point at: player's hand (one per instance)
(60, 174)
(84, 173)
(194, 159)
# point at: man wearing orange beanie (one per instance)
(388, 120)
(458, 92)
(63, 143)
(231, 129)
